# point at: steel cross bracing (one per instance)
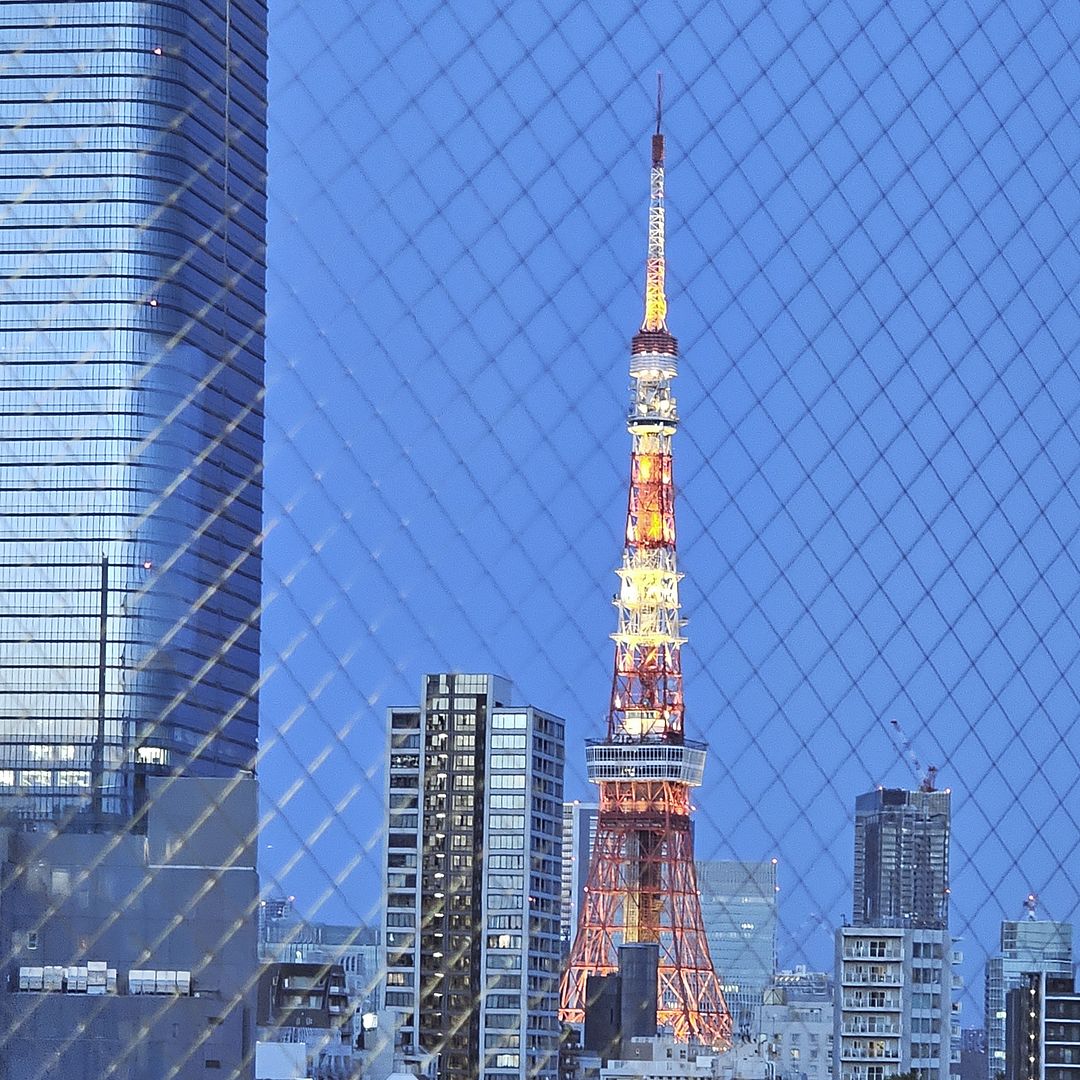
(642, 886)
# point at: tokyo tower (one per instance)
(642, 886)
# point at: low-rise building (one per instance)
(663, 1058)
(146, 942)
(797, 1025)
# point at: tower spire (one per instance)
(642, 885)
(655, 320)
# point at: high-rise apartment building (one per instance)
(1027, 945)
(131, 355)
(894, 982)
(738, 909)
(579, 832)
(475, 800)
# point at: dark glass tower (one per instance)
(902, 859)
(131, 387)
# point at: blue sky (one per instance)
(873, 270)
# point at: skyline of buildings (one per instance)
(131, 370)
(175, 686)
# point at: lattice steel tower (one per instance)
(642, 886)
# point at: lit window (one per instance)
(76, 778)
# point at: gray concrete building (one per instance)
(133, 955)
(797, 1025)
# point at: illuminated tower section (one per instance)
(642, 885)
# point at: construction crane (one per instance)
(926, 777)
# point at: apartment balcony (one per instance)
(871, 1029)
(857, 952)
(868, 978)
(854, 1003)
(864, 1053)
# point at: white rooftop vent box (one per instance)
(110, 980)
(53, 977)
(183, 982)
(31, 978)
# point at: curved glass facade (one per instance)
(132, 220)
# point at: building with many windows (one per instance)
(134, 955)
(1027, 945)
(579, 831)
(1042, 1028)
(797, 1025)
(894, 967)
(893, 1003)
(738, 908)
(902, 858)
(475, 794)
(131, 368)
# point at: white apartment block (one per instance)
(893, 1003)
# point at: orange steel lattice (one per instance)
(642, 886)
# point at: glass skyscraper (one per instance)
(738, 906)
(132, 150)
(1027, 945)
(902, 858)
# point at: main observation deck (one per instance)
(680, 763)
